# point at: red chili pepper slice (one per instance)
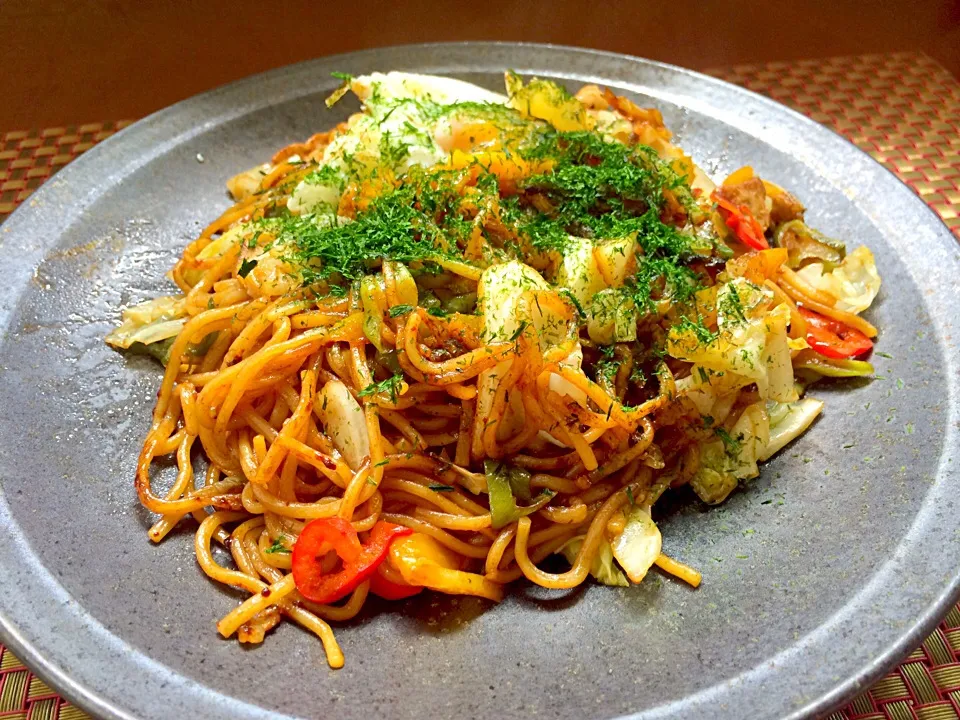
(359, 561)
(741, 222)
(832, 339)
(384, 587)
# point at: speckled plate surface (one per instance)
(817, 577)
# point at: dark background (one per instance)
(75, 61)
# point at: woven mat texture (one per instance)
(902, 108)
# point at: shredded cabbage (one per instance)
(499, 292)
(546, 100)
(613, 126)
(732, 455)
(712, 486)
(752, 343)
(855, 282)
(761, 431)
(578, 271)
(613, 318)
(604, 569)
(638, 546)
(789, 421)
(372, 313)
(149, 322)
(616, 258)
(388, 122)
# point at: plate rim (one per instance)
(96, 701)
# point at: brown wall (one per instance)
(70, 61)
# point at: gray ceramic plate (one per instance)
(817, 577)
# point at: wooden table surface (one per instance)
(75, 61)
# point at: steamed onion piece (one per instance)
(343, 420)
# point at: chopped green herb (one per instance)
(698, 329)
(245, 267)
(519, 331)
(573, 301)
(405, 224)
(732, 306)
(390, 386)
(278, 546)
(398, 310)
(439, 487)
(731, 445)
(393, 151)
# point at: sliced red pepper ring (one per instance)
(359, 562)
(741, 222)
(833, 339)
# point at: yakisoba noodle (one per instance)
(462, 333)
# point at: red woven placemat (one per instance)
(28, 158)
(902, 108)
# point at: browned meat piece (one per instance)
(785, 208)
(750, 193)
